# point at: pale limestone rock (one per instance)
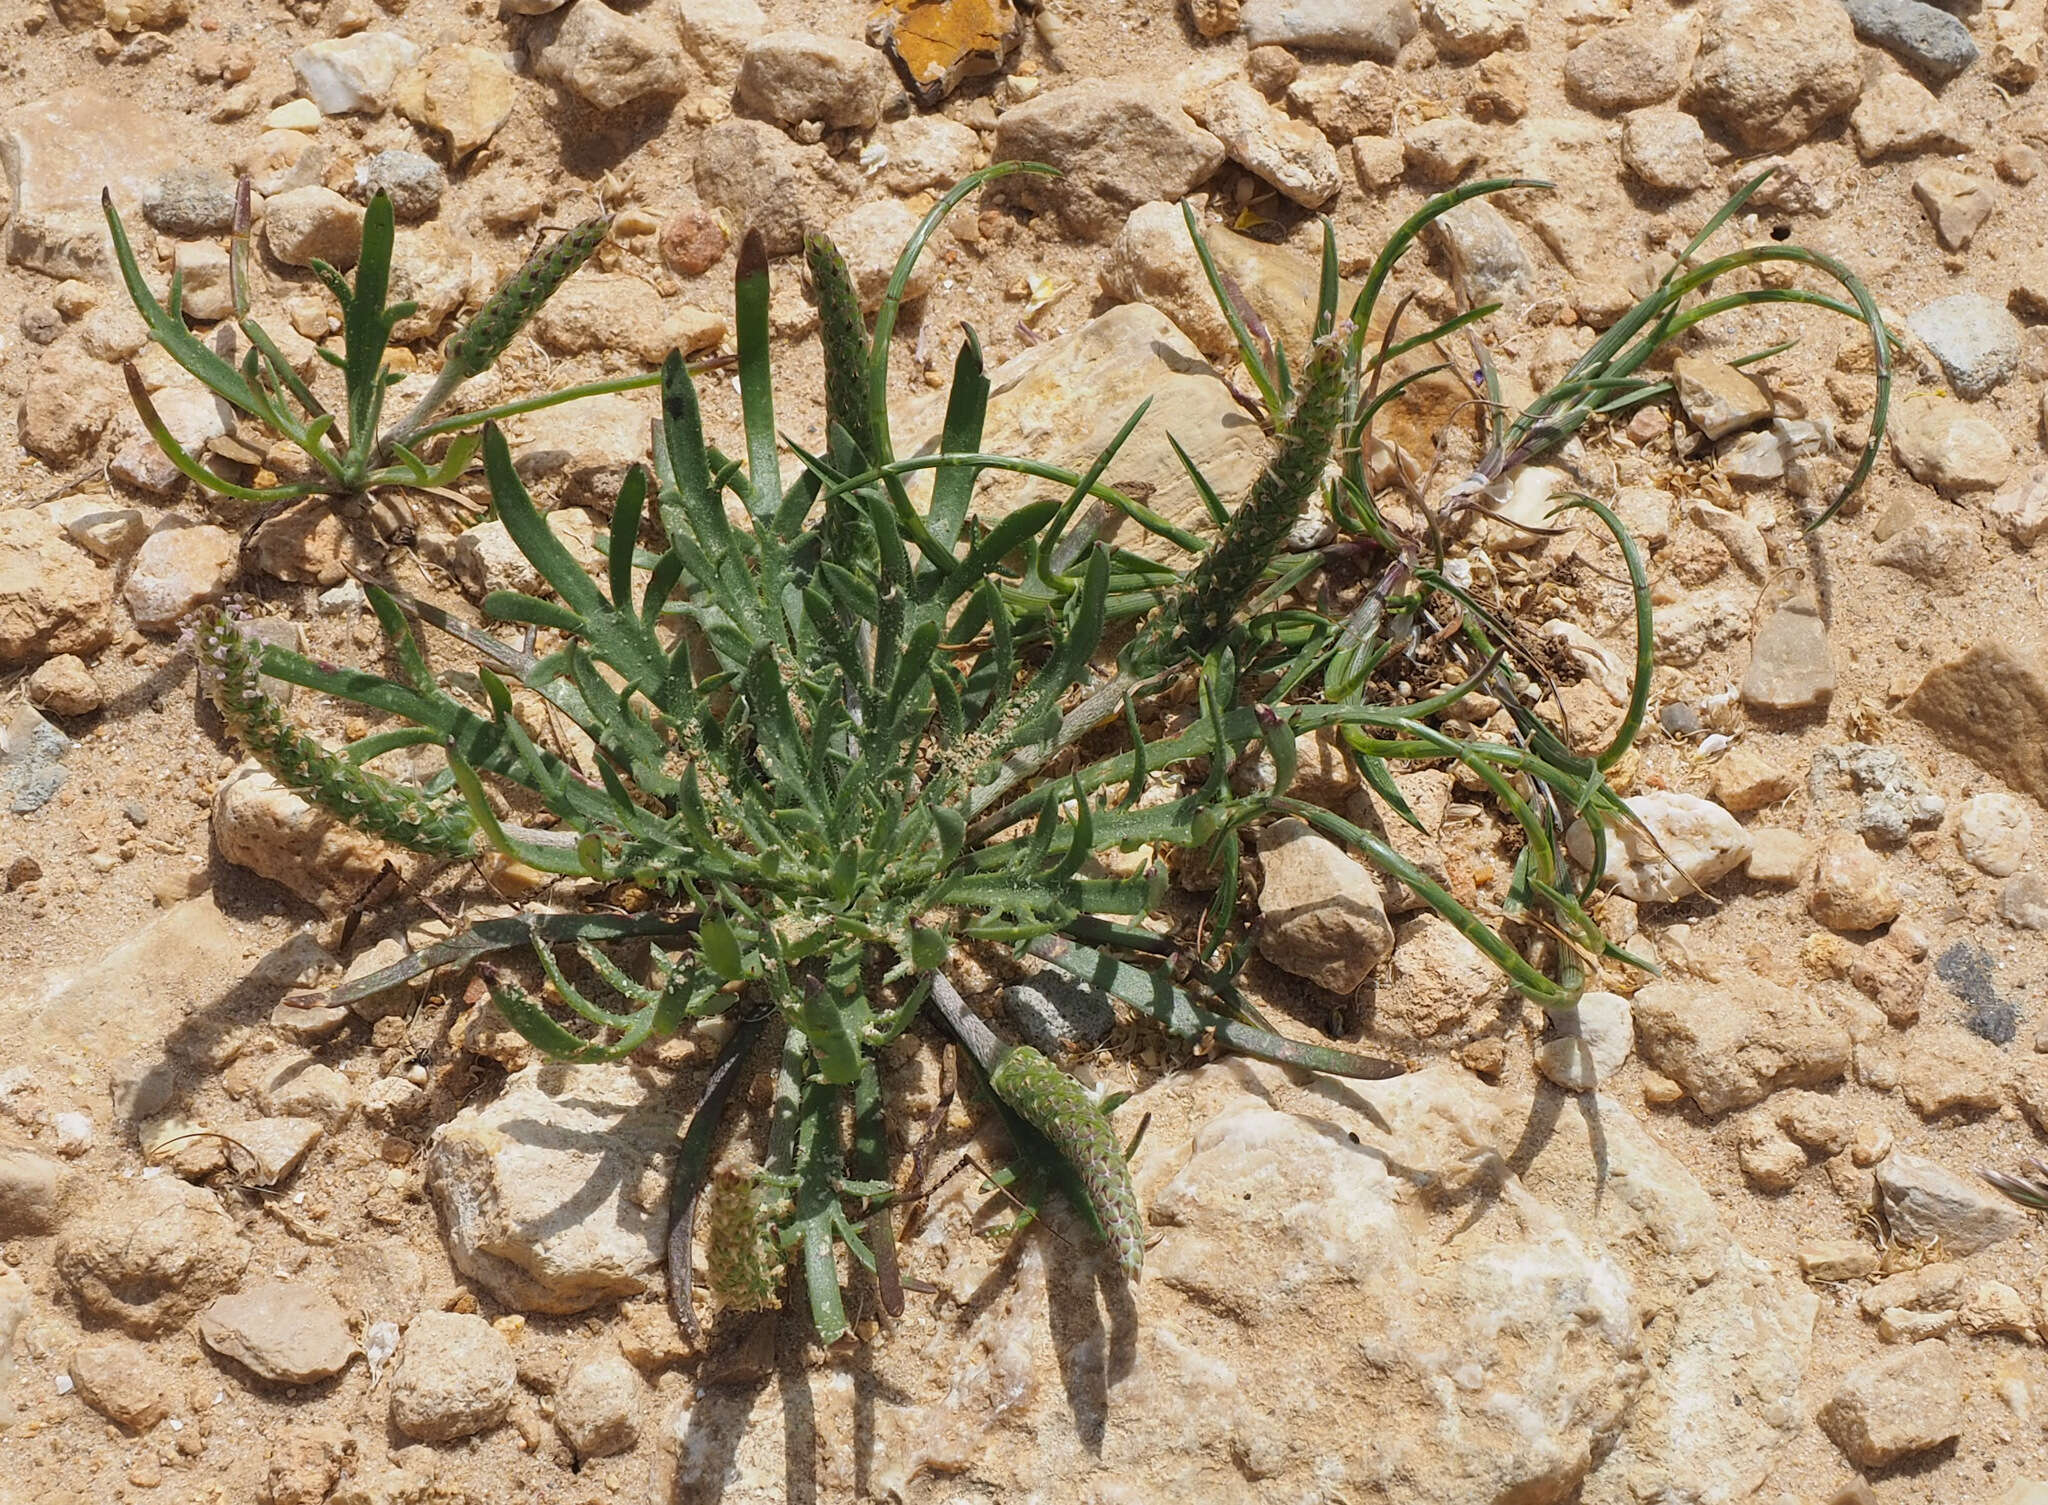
(1467, 30)
(717, 33)
(1439, 982)
(1065, 399)
(1344, 103)
(1290, 155)
(597, 1410)
(1926, 1205)
(1942, 442)
(1665, 149)
(553, 1195)
(261, 825)
(1718, 399)
(1627, 67)
(357, 74)
(581, 451)
(609, 60)
(1592, 1042)
(1681, 844)
(1956, 204)
(302, 225)
(1852, 887)
(1896, 1405)
(122, 1380)
(1489, 264)
(1898, 117)
(926, 151)
(1119, 145)
(64, 686)
(191, 414)
(1734, 1044)
(871, 238)
(1777, 856)
(751, 170)
(456, 1377)
(1772, 72)
(1375, 29)
(2020, 507)
(463, 92)
(1993, 831)
(177, 570)
(53, 598)
(615, 311)
(1790, 665)
(1320, 914)
(290, 1333)
(1991, 704)
(58, 152)
(150, 1253)
(791, 77)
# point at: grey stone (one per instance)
(31, 761)
(1968, 968)
(190, 202)
(1931, 40)
(1374, 29)
(1927, 1205)
(1897, 798)
(1059, 1015)
(1489, 264)
(413, 182)
(1974, 338)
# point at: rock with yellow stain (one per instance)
(938, 44)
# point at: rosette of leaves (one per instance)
(353, 451)
(799, 717)
(826, 709)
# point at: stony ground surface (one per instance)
(255, 1250)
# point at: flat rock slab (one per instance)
(58, 153)
(1063, 401)
(287, 1333)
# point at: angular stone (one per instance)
(1118, 143)
(1488, 261)
(553, 1194)
(611, 61)
(1790, 666)
(617, 311)
(1777, 856)
(1852, 888)
(1289, 154)
(1717, 398)
(1956, 204)
(2020, 508)
(261, 825)
(1990, 703)
(122, 1381)
(871, 237)
(59, 152)
(581, 451)
(1320, 914)
(1344, 103)
(1772, 72)
(178, 569)
(290, 1333)
(1976, 341)
(718, 32)
(1928, 1206)
(749, 169)
(1665, 149)
(1592, 1043)
(463, 92)
(1897, 117)
(1681, 844)
(53, 598)
(356, 74)
(1732, 1046)
(1626, 67)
